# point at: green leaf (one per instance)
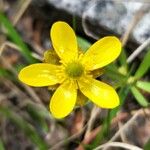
(1, 145)
(15, 37)
(139, 97)
(83, 43)
(3, 73)
(74, 23)
(123, 58)
(143, 85)
(144, 66)
(7, 74)
(147, 145)
(112, 66)
(113, 73)
(28, 130)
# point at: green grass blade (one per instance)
(28, 130)
(74, 23)
(139, 97)
(147, 145)
(143, 85)
(3, 73)
(15, 37)
(114, 74)
(83, 43)
(1, 145)
(123, 58)
(113, 66)
(144, 66)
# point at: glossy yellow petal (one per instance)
(40, 74)
(64, 41)
(101, 53)
(63, 100)
(99, 93)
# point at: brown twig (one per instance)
(22, 8)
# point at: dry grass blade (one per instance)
(125, 126)
(138, 51)
(122, 134)
(8, 44)
(95, 111)
(22, 8)
(119, 144)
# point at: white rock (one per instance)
(115, 15)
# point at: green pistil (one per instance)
(74, 69)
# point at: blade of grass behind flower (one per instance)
(7, 74)
(139, 97)
(74, 22)
(15, 37)
(123, 58)
(113, 73)
(83, 43)
(1, 145)
(4, 73)
(147, 145)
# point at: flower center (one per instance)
(74, 69)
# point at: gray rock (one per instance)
(113, 15)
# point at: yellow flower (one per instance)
(74, 71)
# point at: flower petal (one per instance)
(100, 93)
(40, 74)
(64, 41)
(101, 53)
(63, 100)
